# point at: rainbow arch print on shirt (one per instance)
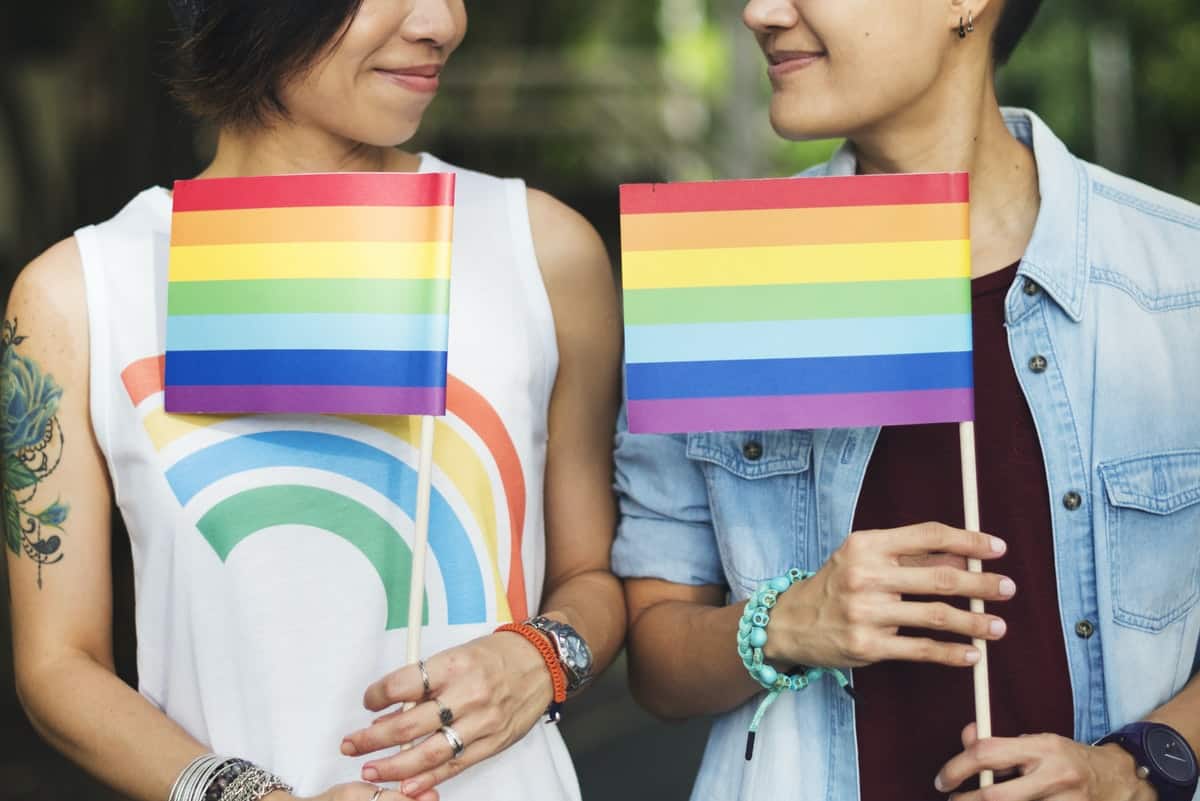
(354, 477)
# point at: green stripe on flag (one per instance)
(735, 304)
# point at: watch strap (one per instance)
(1132, 738)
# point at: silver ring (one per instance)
(456, 742)
(378, 793)
(445, 715)
(424, 677)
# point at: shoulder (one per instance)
(47, 307)
(570, 252)
(54, 278)
(1142, 239)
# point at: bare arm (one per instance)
(62, 609)
(683, 659)
(580, 508)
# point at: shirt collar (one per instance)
(1056, 258)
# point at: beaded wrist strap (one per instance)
(752, 638)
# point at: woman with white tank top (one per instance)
(268, 664)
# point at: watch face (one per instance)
(577, 655)
(1171, 755)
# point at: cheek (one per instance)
(871, 74)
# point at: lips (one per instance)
(423, 78)
(783, 62)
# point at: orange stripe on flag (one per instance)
(786, 227)
(313, 224)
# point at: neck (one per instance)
(284, 148)
(961, 129)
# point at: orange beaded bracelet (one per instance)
(558, 678)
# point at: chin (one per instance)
(802, 119)
(389, 133)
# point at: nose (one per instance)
(431, 22)
(770, 16)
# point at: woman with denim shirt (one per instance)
(1087, 317)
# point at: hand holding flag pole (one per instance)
(808, 303)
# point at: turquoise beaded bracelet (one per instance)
(752, 638)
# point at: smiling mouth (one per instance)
(424, 79)
(784, 62)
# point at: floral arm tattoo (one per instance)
(32, 441)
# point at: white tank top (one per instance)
(271, 554)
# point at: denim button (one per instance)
(1085, 629)
(1031, 287)
(1038, 364)
(752, 450)
(1072, 500)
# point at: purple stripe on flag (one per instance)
(782, 412)
(305, 400)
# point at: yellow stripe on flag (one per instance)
(302, 260)
(802, 264)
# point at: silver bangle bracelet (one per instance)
(192, 781)
(209, 777)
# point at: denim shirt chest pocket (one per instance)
(759, 495)
(1152, 517)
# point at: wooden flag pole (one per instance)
(420, 548)
(983, 699)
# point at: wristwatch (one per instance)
(1163, 758)
(573, 653)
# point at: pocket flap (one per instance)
(754, 454)
(1159, 484)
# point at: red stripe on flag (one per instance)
(293, 191)
(791, 193)
(144, 378)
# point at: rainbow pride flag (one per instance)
(797, 303)
(316, 294)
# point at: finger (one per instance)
(927, 538)
(396, 687)
(942, 617)
(920, 649)
(950, 582)
(934, 560)
(970, 735)
(429, 755)
(994, 753)
(398, 728)
(361, 791)
(443, 773)
(1034, 787)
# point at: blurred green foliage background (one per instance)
(575, 97)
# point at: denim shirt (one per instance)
(1103, 326)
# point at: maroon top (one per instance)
(910, 716)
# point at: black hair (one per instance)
(235, 54)
(1015, 19)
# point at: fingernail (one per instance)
(1008, 588)
(411, 788)
(972, 656)
(348, 748)
(937, 784)
(370, 774)
(997, 628)
(999, 545)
